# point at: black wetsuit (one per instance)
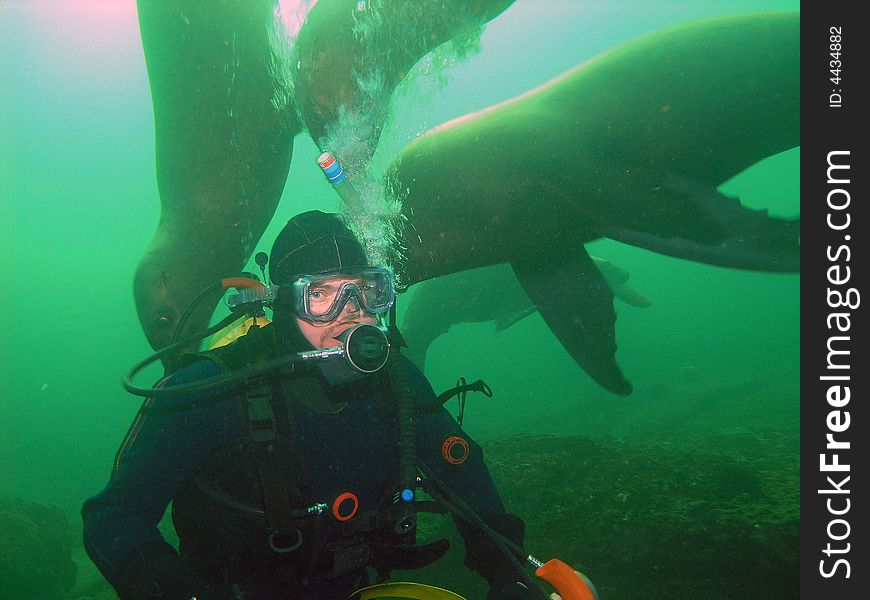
(176, 438)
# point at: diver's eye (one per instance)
(321, 295)
(319, 298)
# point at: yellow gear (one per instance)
(406, 590)
(235, 330)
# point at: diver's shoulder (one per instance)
(408, 364)
(195, 370)
(193, 397)
(424, 387)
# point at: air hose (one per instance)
(460, 509)
(244, 280)
(555, 572)
(406, 394)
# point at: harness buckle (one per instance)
(281, 542)
(260, 415)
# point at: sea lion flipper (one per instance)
(617, 278)
(505, 321)
(691, 220)
(577, 305)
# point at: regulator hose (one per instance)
(406, 394)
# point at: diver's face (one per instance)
(323, 335)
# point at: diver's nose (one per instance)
(353, 304)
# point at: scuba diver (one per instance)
(290, 483)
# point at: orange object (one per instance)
(562, 577)
(454, 450)
(236, 282)
(326, 160)
(336, 506)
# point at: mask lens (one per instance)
(323, 297)
(377, 291)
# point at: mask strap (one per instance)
(393, 333)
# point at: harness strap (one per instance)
(268, 422)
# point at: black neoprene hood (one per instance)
(314, 242)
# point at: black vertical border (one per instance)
(826, 129)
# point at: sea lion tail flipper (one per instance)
(577, 305)
(505, 321)
(617, 278)
(707, 226)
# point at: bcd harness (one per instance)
(296, 528)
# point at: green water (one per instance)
(716, 354)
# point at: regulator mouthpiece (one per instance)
(364, 348)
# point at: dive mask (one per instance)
(321, 298)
